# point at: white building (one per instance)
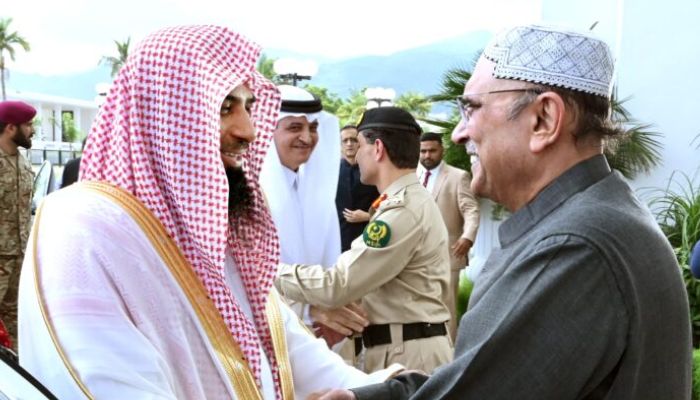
(48, 140)
(656, 47)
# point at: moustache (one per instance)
(238, 148)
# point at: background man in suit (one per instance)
(458, 206)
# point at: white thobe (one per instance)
(125, 324)
(302, 202)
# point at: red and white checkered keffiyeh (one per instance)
(157, 136)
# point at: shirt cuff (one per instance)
(386, 373)
(305, 315)
(377, 387)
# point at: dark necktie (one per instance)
(426, 177)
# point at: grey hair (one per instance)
(593, 112)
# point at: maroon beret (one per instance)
(16, 112)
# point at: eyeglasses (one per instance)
(466, 108)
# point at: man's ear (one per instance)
(549, 111)
(379, 150)
(9, 129)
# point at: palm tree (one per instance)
(637, 149)
(7, 42)
(117, 62)
(452, 85)
(352, 108)
(416, 103)
(331, 101)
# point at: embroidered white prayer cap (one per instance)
(553, 56)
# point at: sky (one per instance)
(70, 36)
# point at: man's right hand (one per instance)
(335, 394)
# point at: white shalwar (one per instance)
(124, 323)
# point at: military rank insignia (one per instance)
(377, 234)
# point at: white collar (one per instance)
(291, 176)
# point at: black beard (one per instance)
(21, 140)
(431, 165)
(240, 197)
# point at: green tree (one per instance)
(415, 103)
(638, 149)
(352, 108)
(331, 101)
(8, 41)
(115, 63)
(451, 86)
(266, 68)
(70, 132)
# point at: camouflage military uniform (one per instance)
(16, 179)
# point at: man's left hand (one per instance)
(353, 216)
(461, 247)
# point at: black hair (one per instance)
(402, 145)
(431, 136)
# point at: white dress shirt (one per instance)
(421, 171)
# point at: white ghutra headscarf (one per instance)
(305, 217)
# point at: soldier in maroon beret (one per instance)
(16, 178)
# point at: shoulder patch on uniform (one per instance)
(377, 234)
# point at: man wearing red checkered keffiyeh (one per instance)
(105, 312)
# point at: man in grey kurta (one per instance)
(583, 299)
